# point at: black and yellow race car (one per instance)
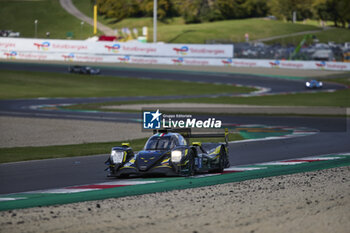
(83, 70)
(168, 153)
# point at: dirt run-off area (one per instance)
(23, 131)
(306, 202)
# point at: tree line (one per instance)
(197, 11)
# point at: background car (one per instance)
(168, 152)
(313, 84)
(83, 70)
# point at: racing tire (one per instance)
(222, 161)
(191, 164)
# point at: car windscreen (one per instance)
(160, 143)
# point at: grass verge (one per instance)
(23, 84)
(17, 154)
(339, 98)
(229, 30)
(336, 99)
(337, 35)
(19, 16)
(176, 31)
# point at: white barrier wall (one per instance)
(138, 53)
(138, 49)
(313, 65)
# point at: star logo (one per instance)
(151, 120)
(156, 115)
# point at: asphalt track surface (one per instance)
(274, 84)
(334, 136)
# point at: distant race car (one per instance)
(83, 70)
(313, 84)
(168, 153)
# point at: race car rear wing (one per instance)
(187, 133)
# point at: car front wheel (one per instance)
(191, 164)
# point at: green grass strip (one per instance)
(338, 98)
(174, 70)
(17, 154)
(24, 84)
(19, 16)
(176, 184)
(49, 152)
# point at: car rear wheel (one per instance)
(191, 164)
(222, 162)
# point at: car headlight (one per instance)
(117, 156)
(320, 83)
(307, 84)
(176, 156)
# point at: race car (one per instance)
(313, 84)
(168, 153)
(83, 70)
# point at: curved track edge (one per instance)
(28, 200)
